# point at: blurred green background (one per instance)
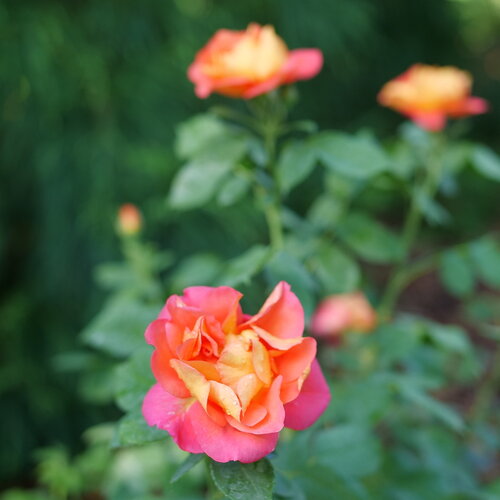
(91, 91)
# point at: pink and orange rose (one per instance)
(429, 95)
(228, 382)
(249, 63)
(340, 313)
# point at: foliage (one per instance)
(88, 115)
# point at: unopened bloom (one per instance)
(228, 382)
(340, 313)
(129, 220)
(249, 63)
(429, 95)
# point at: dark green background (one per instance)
(90, 94)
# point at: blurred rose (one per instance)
(339, 313)
(129, 220)
(227, 382)
(429, 95)
(249, 63)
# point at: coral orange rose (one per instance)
(343, 312)
(227, 383)
(428, 95)
(129, 219)
(249, 63)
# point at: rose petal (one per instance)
(197, 384)
(281, 315)
(276, 342)
(224, 444)
(221, 302)
(310, 403)
(296, 360)
(169, 413)
(226, 398)
(156, 334)
(472, 106)
(246, 388)
(432, 121)
(275, 415)
(302, 64)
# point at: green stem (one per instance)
(488, 390)
(273, 218)
(399, 278)
(272, 207)
(423, 266)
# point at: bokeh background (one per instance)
(91, 92)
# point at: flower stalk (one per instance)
(400, 277)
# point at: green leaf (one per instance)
(434, 213)
(197, 133)
(456, 157)
(233, 190)
(133, 378)
(339, 187)
(348, 449)
(198, 269)
(244, 481)
(295, 163)
(133, 430)
(448, 337)
(285, 267)
(457, 273)
(192, 460)
(241, 269)
(115, 275)
(325, 211)
(485, 255)
(197, 181)
(416, 395)
(404, 161)
(486, 162)
(484, 309)
(285, 488)
(369, 239)
(337, 272)
(361, 401)
(396, 342)
(418, 138)
(119, 328)
(355, 157)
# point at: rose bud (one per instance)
(338, 314)
(129, 220)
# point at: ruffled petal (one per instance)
(281, 315)
(221, 302)
(272, 420)
(156, 334)
(162, 410)
(224, 444)
(295, 365)
(472, 106)
(302, 64)
(431, 121)
(310, 403)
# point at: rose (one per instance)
(249, 63)
(430, 94)
(129, 221)
(340, 313)
(227, 382)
